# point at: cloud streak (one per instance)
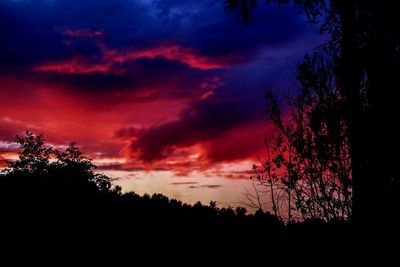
(110, 60)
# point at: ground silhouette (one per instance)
(57, 195)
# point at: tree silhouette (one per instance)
(45, 163)
(363, 46)
(34, 157)
(308, 168)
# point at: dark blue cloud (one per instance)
(26, 35)
(227, 35)
(29, 28)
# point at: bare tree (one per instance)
(307, 170)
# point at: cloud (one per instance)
(244, 141)
(36, 31)
(211, 186)
(203, 121)
(3, 162)
(118, 167)
(172, 52)
(81, 33)
(9, 128)
(111, 59)
(184, 183)
(76, 65)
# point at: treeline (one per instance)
(60, 190)
(55, 187)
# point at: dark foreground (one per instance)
(68, 222)
(36, 212)
(52, 199)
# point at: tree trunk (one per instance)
(349, 74)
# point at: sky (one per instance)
(166, 96)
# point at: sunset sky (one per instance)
(166, 96)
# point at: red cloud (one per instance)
(3, 162)
(64, 114)
(171, 52)
(77, 65)
(110, 59)
(178, 135)
(240, 143)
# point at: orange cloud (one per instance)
(3, 162)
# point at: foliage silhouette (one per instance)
(365, 62)
(53, 202)
(55, 195)
(308, 166)
(48, 188)
(68, 168)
